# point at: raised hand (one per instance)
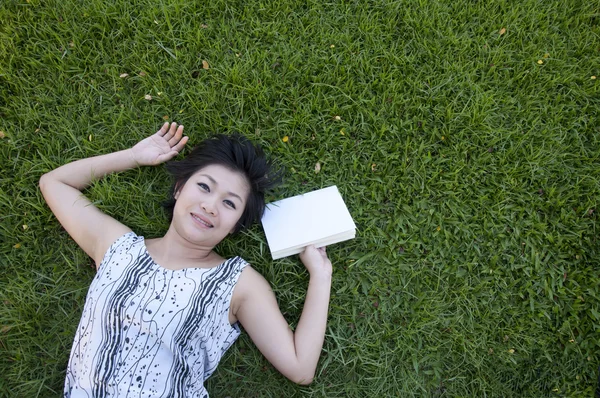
(160, 147)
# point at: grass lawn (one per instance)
(464, 136)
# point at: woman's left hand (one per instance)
(160, 147)
(316, 261)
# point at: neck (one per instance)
(175, 249)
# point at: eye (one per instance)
(229, 203)
(204, 187)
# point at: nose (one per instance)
(209, 207)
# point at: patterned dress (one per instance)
(147, 331)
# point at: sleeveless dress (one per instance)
(147, 331)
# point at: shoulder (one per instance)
(251, 280)
(249, 285)
(121, 247)
(126, 242)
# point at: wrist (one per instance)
(131, 156)
(321, 278)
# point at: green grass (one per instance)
(471, 170)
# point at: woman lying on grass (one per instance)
(160, 313)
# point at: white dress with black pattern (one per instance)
(147, 331)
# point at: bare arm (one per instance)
(93, 230)
(295, 355)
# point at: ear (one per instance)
(177, 190)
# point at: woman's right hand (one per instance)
(160, 147)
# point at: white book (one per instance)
(317, 218)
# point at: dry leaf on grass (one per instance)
(502, 31)
(204, 64)
(123, 75)
(317, 167)
(2, 135)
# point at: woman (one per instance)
(161, 312)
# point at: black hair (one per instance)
(238, 154)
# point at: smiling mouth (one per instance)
(202, 221)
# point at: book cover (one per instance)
(317, 218)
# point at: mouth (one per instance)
(201, 220)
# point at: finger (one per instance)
(171, 131)
(181, 144)
(177, 137)
(167, 156)
(163, 130)
(309, 248)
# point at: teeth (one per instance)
(202, 221)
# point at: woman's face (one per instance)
(210, 204)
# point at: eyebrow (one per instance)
(212, 180)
